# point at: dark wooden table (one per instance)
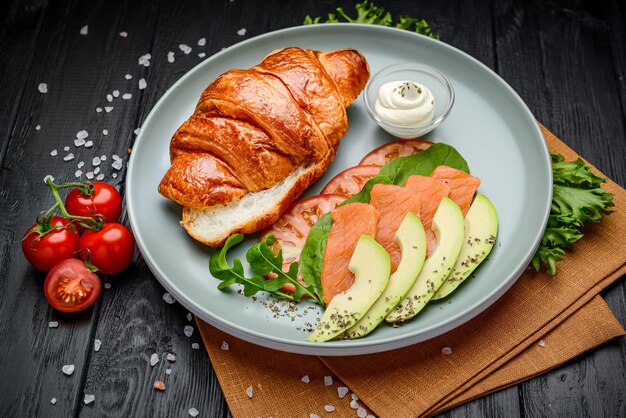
(567, 59)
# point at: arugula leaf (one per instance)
(577, 198)
(369, 13)
(219, 268)
(394, 172)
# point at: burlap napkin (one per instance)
(540, 323)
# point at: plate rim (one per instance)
(355, 347)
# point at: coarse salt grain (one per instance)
(105, 132)
(313, 415)
(53, 324)
(225, 346)
(100, 177)
(38, 127)
(114, 175)
(189, 316)
(159, 385)
(342, 391)
(96, 161)
(168, 371)
(88, 144)
(142, 83)
(168, 298)
(108, 109)
(107, 285)
(171, 357)
(328, 380)
(241, 32)
(88, 399)
(170, 57)
(84, 30)
(154, 359)
(68, 157)
(202, 42)
(128, 76)
(193, 412)
(68, 369)
(123, 34)
(116, 93)
(79, 142)
(249, 391)
(195, 346)
(117, 164)
(43, 88)
(201, 55)
(53, 401)
(81, 164)
(144, 60)
(127, 96)
(185, 48)
(188, 330)
(354, 396)
(361, 412)
(446, 350)
(103, 158)
(98, 110)
(66, 148)
(306, 378)
(329, 408)
(97, 344)
(542, 343)
(78, 173)
(89, 175)
(82, 134)
(53, 153)
(109, 97)
(354, 404)
(96, 170)
(136, 131)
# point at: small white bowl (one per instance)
(430, 77)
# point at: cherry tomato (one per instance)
(293, 227)
(71, 287)
(45, 252)
(111, 248)
(349, 182)
(105, 200)
(383, 154)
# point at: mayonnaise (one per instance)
(405, 103)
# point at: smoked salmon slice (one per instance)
(430, 192)
(349, 223)
(462, 185)
(392, 203)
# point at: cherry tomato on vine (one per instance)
(45, 251)
(111, 248)
(105, 200)
(71, 287)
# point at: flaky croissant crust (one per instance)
(252, 128)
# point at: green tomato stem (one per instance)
(87, 222)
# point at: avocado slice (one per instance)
(371, 266)
(411, 239)
(481, 228)
(448, 226)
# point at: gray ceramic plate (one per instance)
(489, 124)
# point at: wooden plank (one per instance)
(558, 58)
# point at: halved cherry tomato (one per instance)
(105, 200)
(111, 248)
(383, 154)
(44, 252)
(349, 182)
(71, 287)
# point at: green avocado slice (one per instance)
(371, 266)
(481, 229)
(448, 226)
(411, 239)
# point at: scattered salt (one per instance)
(189, 316)
(185, 48)
(109, 97)
(166, 296)
(89, 175)
(136, 131)
(128, 76)
(117, 164)
(202, 42)
(107, 285)
(193, 412)
(81, 164)
(108, 109)
(328, 380)
(79, 142)
(48, 177)
(188, 330)
(154, 359)
(68, 157)
(306, 378)
(329, 408)
(249, 391)
(123, 34)
(78, 173)
(542, 343)
(38, 127)
(446, 350)
(105, 132)
(53, 153)
(361, 412)
(201, 55)
(171, 357)
(114, 175)
(145, 60)
(53, 324)
(84, 30)
(116, 93)
(168, 371)
(127, 96)
(96, 170)
(195, 346)
(313, 415)
(68, 369)
(342, 391)
(88, 144)
(66, 148)
(354, 396)
(225, 346)
(170, 57)
(82, 134)
(100, 177)
(241, 32)
(142, 83)
(97, 344)
(96, 161)
(53, 401)
(88, 399)
(43, 88)
(159, 385)
(354, 404)
(98, 110)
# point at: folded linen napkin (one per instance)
(540, 323)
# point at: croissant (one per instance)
(258, 138)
